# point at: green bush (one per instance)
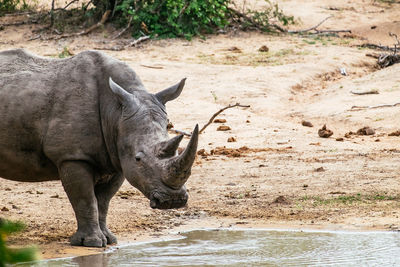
(12, 5)
(8, 255)
(174, 18)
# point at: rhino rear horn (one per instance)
(168, 148)
(180, 166)
(124, 97)
(171, 93)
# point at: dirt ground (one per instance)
(277, 172)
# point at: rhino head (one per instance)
(148, 158)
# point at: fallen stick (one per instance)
(369, 92)
(219, 111)
(179, 132)
(356, 108)
(139, 40)
(319, 31)
(152, 67)
(312, 28)
(378, 47)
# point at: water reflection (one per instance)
(254, 248)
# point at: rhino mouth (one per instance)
(159, 201)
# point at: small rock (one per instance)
(324, 132)
(7, 189)
(305, 185)
(5, 209)
(349, 134)
(15, 207)
(320, 169)
(202, 152)
(263, 48)
(231, 139)
(340, 139)
(223, 128)
(366, 131)
(247, 121)
(307, 124)
(219, 121)
(55, 196)
(235, 49)
(281, 200)
(395, 133)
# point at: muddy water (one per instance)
(254, 248)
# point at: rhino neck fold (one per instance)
(110, 112)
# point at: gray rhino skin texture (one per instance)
(66, 119)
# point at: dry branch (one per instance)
(378, 47)
(356, 108)
(139, 40)
(210, 121)
(152, 67)
(314, 28)
(386, 60)
(369, 92)
(219, 111)
(179, 132)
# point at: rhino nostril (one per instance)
(154, 203)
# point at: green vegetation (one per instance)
(182, 18)
(12, 5)
(348, 199)
(65, 53)
(272, 58)
(173, 18)
(9, 255)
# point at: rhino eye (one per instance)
(139, 156)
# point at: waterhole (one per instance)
(253, 248)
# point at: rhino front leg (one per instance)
(78, 182)
(104, 192)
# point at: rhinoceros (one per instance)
(88, 121)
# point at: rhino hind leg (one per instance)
(78, 182)
(104, 192)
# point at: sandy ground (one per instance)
(277, 173)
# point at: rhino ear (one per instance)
(171, 93)
(124, 97)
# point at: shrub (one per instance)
(174, 18)
(8, 255)
(12, 5)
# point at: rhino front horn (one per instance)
(180, 166)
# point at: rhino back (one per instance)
(51, 113)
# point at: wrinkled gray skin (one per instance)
(89, 122)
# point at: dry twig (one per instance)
(152, 67)
(179, 132)
(139, 40)
(368, 92)
(356, 108)
(314, 28)
(210, 121)
(219, 111)
(378, 47)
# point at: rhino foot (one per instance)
(111, 239)
(96, 239)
